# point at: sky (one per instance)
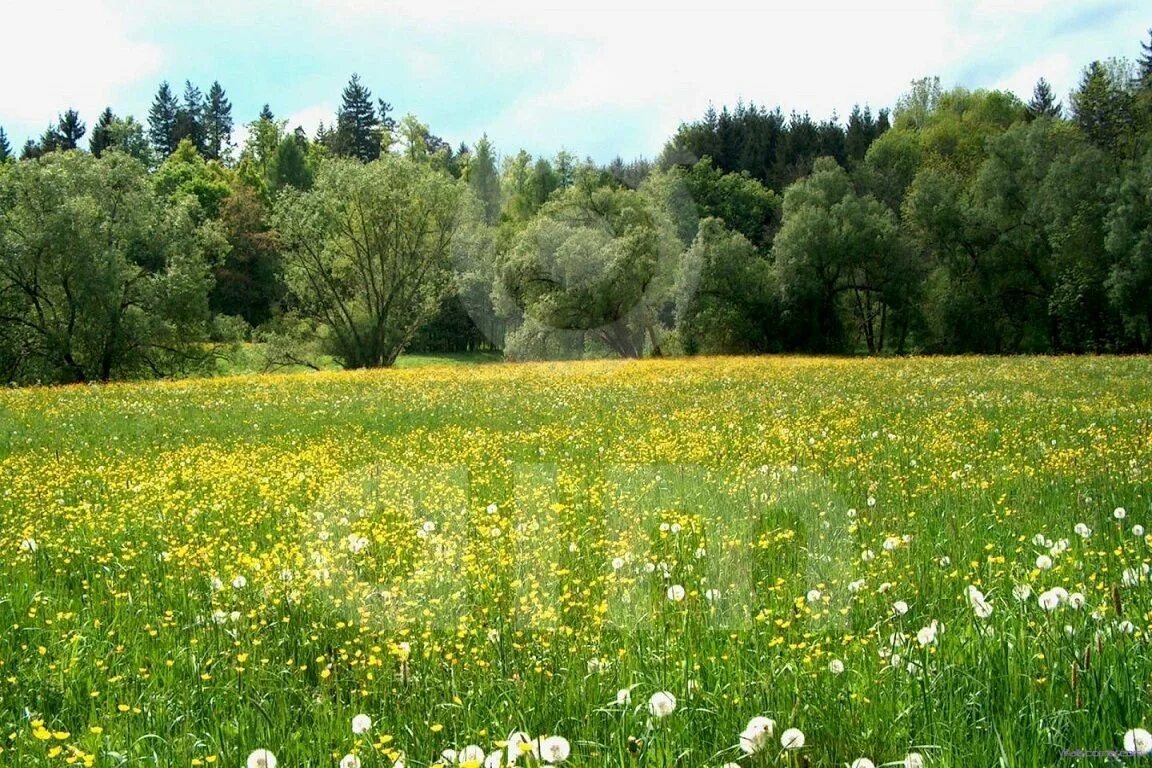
(598, 79)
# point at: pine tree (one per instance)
(484, 179)
(1103, 108)
(1144, 73)
(162, 122)
(358, 129)
(101, 133)
(1044, 102)
(69, 130)
(190, 117)
(217, 123)
(49, 141)
(5, 147)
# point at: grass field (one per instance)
(940, 557)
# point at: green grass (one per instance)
(461, 551)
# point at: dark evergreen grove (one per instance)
(955, 221)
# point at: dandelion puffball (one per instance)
(676, 593)
(836, 666)
(756, 734)
(554, 749)
(793, 738)
(1138, 741)
(624, 697)
(361, 724)
(914, 760)
(261, 758)
(471, 754)
(350, 761)
(661, 704)
(863, 762)
(1043, 562)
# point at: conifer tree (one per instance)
(217, 123)
(162, 121)
(101, 133)
(69, 130)
(1043, 103)
(358, 128)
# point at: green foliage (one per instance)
(359, 130)
(597, 260)
(217, 123)
(248, 281)
(98, 278)
(289, 166)
(162, 121)
(367, 254)
(186, 174)
(1129, 242)
(101, 133)
(727, 301)
(1103, 106)
(484, 179)
(69, 130)
(839, 255)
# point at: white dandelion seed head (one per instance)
(350, 761)
(862, 762)
(1048, 600)
(914, 760)
(836, 667)
(757, 734)
(471, 753)
(793, 738)
(1043, 562)
(1138, 742)
(1119, 513)
(676, 593)
(555, 749)
(900, 607)
(261, 758)
(1022, 592)
(661, 704)
(361, 724)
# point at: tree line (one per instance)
(958, 221)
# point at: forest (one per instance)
(956, 221)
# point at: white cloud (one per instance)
(83, 57)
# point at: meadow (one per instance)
(759, 562)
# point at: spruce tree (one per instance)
(1044, 102)
(266, 114)
(69, 130)
(31, 150)
(162, 122)
(1103, 109)
(101, 133)
(190, 117)
(1144, 64)
(358, 129)
(217, 123)
(5, 147)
